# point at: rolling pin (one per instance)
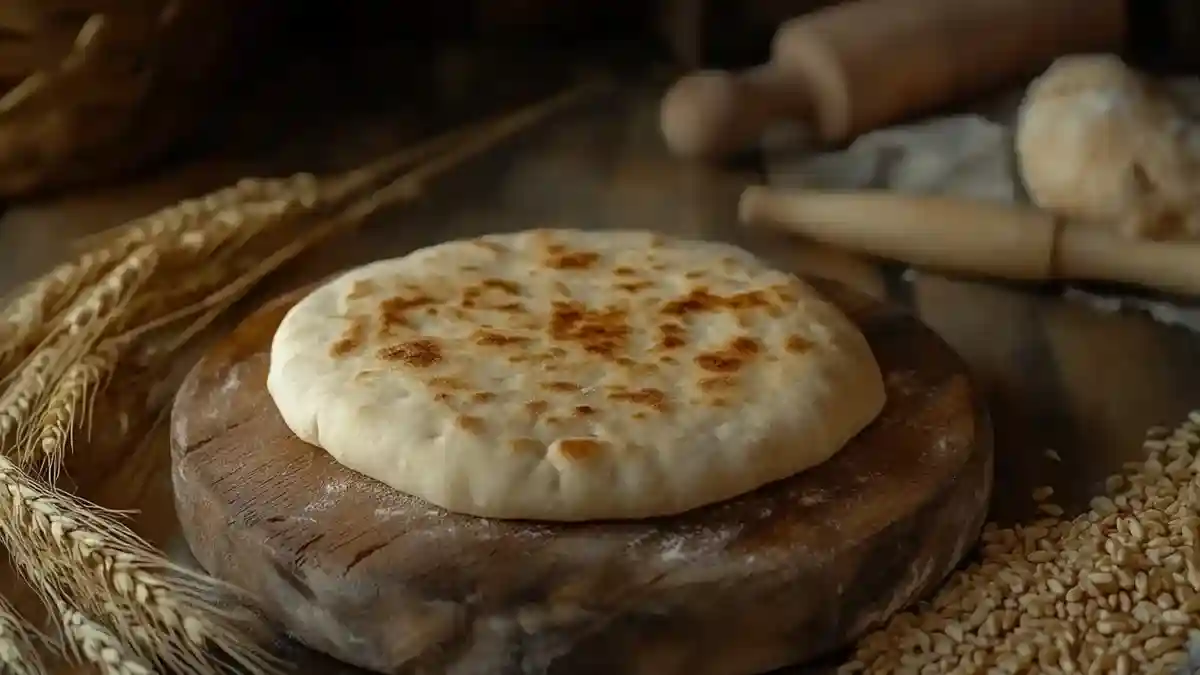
(858, 65)
(973, 237)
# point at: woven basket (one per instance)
(90, 89)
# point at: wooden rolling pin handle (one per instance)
(872, 62)
(855, 66)
(973, 238)
(712, 114)
(1088, 253)
(947, 234)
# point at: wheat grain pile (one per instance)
(1114, 590)
(122, 309)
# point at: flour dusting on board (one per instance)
(326, 496)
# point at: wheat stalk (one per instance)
(17, 402)
(90, 642)
(18, 644)
(69, 407)
(72, 551)
(79, 327)
(29, 313)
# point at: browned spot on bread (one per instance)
(635, 286)
(562, 288)
(443, 397)
(700, 299)
(561, 386)
(669, 360)
(639, 415)
(352, 338)
(471, 424)
(447, 383)
(716, 383)
(624, 271)
(392, 312)
(670, 336)
(483, 396)
(526, 445)
(489, 338)
(469, 268)
(512, 288)
(604, 332)
(719, 402)
(574, 260)
(579, 448)
(654, 398)
(362, 288)
(694, 274)
(798, 344)
(731, 358)
(745, 345)
(584, 410)
(473, 295)
(537, 407)
(415, 353)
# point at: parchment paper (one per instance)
(967, 154)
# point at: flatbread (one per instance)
(566, 375)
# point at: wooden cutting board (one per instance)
(393, 584)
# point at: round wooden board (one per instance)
(390, 583)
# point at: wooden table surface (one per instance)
(1060, 376)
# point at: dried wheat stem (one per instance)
(69, 407)
(68, 548)
(32, 380)
(18, 644)
(28, 314)
(92, 643)
(191, 230)
(99, 303)
(224, 210)
(76, 331)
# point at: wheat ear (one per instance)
(29, 313)
(92, 643)
(79, 327)
(76, 553)
(69, 407)
(18, 644)
(30, 383)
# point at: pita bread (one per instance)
(565, 375)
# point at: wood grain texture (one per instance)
(775, 577)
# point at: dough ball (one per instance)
(1099, 142)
